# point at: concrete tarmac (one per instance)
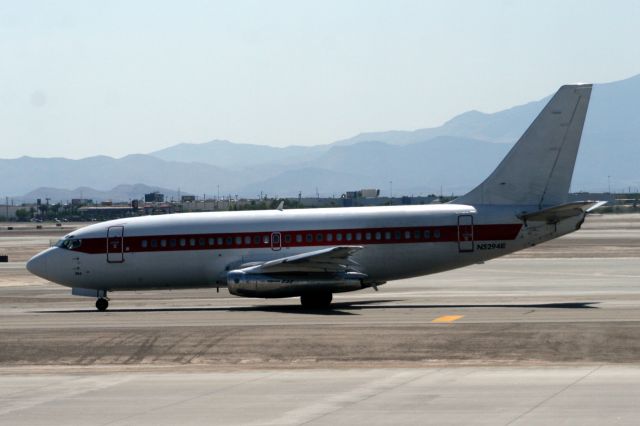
(576, 395)
(547, 335)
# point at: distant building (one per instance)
(154, 197)
(188, 198)
(363, 193)
(9, 211)
(81, 201)
(105, 212)
(369, 193)
(159, 208)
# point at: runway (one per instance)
(550, 331)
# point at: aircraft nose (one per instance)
(37, 265)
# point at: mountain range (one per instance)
(451, 158)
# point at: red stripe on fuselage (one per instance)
(239, 240)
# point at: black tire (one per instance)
(102, 304)
(319, 300)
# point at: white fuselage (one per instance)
(199, 249)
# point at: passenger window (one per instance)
(329, 237)
(201, 242)
(359, 236)
(247, 240)
(183, 242)
(436, 233)
(163, 243)
(256, 239)
(287, 238)
(220, 241)
(367, 236)
(387, 235)
(172, 243)
(238, 241)
(309, 238)
(338, 236)
(192, 242)
(212, 241)
(154, 243)
(407, 235)
(265, 239)
(144, 244)
(378, 235)
(416, 234)
(319, 237)
(398, 235)
(229, 241)
(298, 238)
(427, 234)
(349, 236)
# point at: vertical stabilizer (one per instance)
(539, 167)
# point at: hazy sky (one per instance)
(80, 78)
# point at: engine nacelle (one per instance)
(245, 284)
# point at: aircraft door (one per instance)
(465, 233)
(115, 244)
(276, 241)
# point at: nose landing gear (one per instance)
(102, 304)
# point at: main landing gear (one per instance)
(102, 304)
(317, 300)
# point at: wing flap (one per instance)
(332, 259)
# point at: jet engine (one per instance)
(241, 283)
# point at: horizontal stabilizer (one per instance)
(564, 211)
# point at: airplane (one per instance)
(314, 253)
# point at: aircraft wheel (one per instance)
(320, 300)
(102, 304)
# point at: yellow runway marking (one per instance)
(448, 318)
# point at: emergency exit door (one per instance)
(465, 233)
(276, 241)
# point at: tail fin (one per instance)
(538, 169)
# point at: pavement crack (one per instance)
(165, 406)
(552, 396)
(308, 414)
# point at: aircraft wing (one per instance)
(562, 211)
(332, 259)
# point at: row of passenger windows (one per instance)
(288, 238)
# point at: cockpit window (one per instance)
(69, 243)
